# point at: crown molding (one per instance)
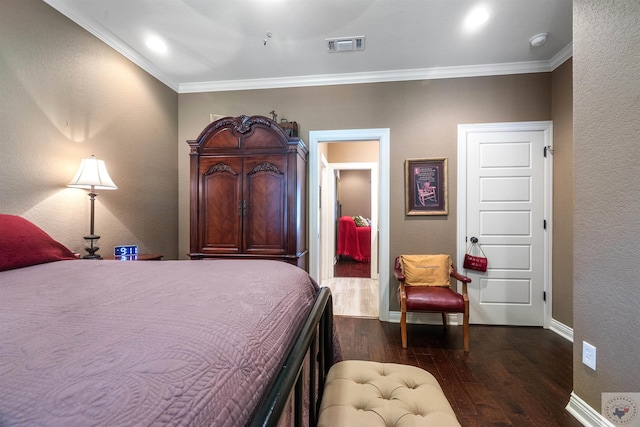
(560, 57)
(383, 76)
(370, 77)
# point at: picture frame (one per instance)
(426, 191)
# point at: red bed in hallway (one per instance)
(354, 241)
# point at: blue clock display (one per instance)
(126, 251)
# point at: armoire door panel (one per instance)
(220, 205)
(266, 196)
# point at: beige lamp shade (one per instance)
(92, 174)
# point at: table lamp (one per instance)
(92, 175)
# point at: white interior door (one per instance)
(506, 209)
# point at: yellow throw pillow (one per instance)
(426, 270)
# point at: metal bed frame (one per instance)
(316, 341)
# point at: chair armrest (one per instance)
(463, 279)
(458, 276)
(397, 270)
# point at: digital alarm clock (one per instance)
(126, 251)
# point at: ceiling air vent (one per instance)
(345, 44)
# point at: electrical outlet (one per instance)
(589, 355)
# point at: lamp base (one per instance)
(91, 247)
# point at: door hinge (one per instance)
(544, 295)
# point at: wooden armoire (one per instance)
(248, 192)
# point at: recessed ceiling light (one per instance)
(538, 39)
(476, 18)
(156, 44)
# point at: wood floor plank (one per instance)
(487, 408)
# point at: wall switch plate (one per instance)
(589, 355)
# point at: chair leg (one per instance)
(403, 328)
(444, 320)
(465, 332)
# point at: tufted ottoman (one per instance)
(370, 394)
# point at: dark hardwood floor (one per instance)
(512, 376)
(348, 267)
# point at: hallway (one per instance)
(354, 293)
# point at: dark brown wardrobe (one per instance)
(248, 192)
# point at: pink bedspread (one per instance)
(111, 343)
(354, 241)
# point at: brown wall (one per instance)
(606, 295)
(65, 95)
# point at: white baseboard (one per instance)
(584, 413)
(561, 329)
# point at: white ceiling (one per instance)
(215, 45)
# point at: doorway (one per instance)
(319, 170)
(355, 245)
(353, 191)
(504, 200)
(350, 223)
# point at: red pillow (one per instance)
(22, 244)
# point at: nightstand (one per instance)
(139, 257)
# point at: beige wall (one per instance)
(355, 192)
(355, 185)
(352, 152)
(65, 95)
(422, 117)
(562, 113)
(606, 294)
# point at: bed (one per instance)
(198, 343)
(353, 240)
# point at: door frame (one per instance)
(547, 128)
(383, 136)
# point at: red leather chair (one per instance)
(432, 295)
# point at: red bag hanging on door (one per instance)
(475, 262)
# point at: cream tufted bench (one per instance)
(369, 394)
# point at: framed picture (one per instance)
(426, 186)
